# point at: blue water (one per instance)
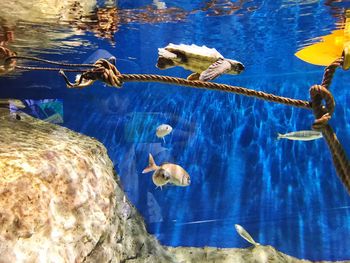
(285, 193)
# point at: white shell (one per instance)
(193, 49)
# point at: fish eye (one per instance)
(165, 176)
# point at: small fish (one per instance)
(163, 130)
(167, 173)
(262, 253)
(243, 233)
(307, 135)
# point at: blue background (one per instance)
(285, 193)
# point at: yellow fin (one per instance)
(322, 54)
(325, 52)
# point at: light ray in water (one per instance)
(199, 222)
(238, 219)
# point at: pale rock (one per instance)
(60, 199)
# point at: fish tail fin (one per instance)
(279, 136)
(244, 234)
(151, 165)
(163, 139)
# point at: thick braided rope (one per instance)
(215, 86)
(339, 157)
(107, 72)
(323, 114)
(329, 72)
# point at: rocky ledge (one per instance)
(60, 201)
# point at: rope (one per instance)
(323, 114)
(329, 72)
(339, 157)
(48, 61)
(49, 69)
(103, 70)
(216, 86)
(82, 83)
(8, 61)
(109, 74)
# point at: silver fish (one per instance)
(262, 253)
(167, 173)
(306, 135)
(163, 130)
(243, 233)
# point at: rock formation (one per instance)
(60, 201)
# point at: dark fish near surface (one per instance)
(167, 173)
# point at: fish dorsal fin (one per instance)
(151, 165)
(244, 234)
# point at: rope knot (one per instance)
(6, 65)
(108, 73)
(323, 113)
(103, 70)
